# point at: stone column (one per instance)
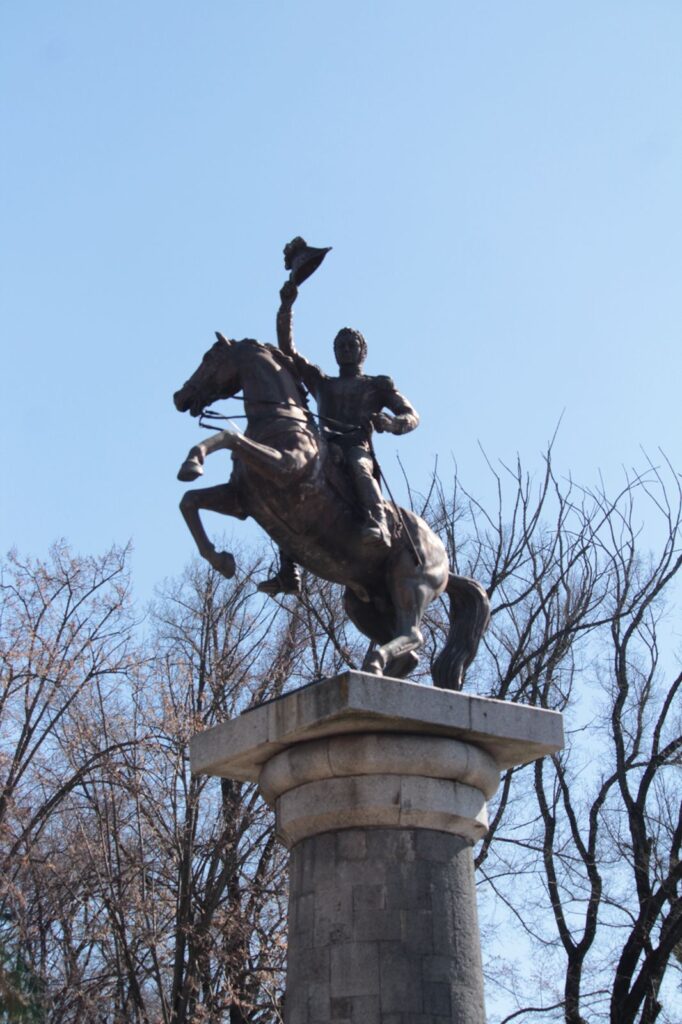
(379, 788)
(382, 904)
(382, 928)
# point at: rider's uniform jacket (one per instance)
(346, 406)
(344, 403)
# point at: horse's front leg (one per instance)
(224, 498)
(275, 463)
(268, 460)
(193, 466)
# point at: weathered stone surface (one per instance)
(436, 757)
(380, 788)
(381, 801)
(355, 702)
(400, 937)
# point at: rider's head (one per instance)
(350, 348)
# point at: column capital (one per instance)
(379, 780)
(355, 702)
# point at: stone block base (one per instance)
(383, 929)
(379, 788)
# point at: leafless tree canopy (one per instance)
(131, 891)
(584, 848)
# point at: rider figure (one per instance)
(350, 408)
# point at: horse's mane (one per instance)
(287, 363)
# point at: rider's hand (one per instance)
(382, 423)
(288, 292)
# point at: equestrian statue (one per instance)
(312, 482)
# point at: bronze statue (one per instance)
(314, 488)
(350, 407)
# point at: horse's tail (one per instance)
(469, 618)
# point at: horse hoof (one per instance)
(190, 470)
(373, 664)
(401, 666)
(224, 563)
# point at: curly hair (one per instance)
(358, 337)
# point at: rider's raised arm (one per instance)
(285, 318)
(310, 374)
(405, 417)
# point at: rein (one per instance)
(215, 417)
(209, 414)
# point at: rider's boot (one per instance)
(286, 581)
(375, 532)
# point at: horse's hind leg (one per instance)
(224, 498)
(378, 626)
(410, 598)
(368, 618)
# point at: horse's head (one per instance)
(216, 377)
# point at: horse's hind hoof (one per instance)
(373, 664)
(190, 470)
(400, 667)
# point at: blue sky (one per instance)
(500, 182)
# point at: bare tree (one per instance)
(135, 892)
(584, 848)
(65, 635)
(132, 890)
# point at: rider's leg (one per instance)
(286, 581)
(361, 465)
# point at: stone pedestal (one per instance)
(379, 788)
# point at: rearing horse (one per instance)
(284, 478)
